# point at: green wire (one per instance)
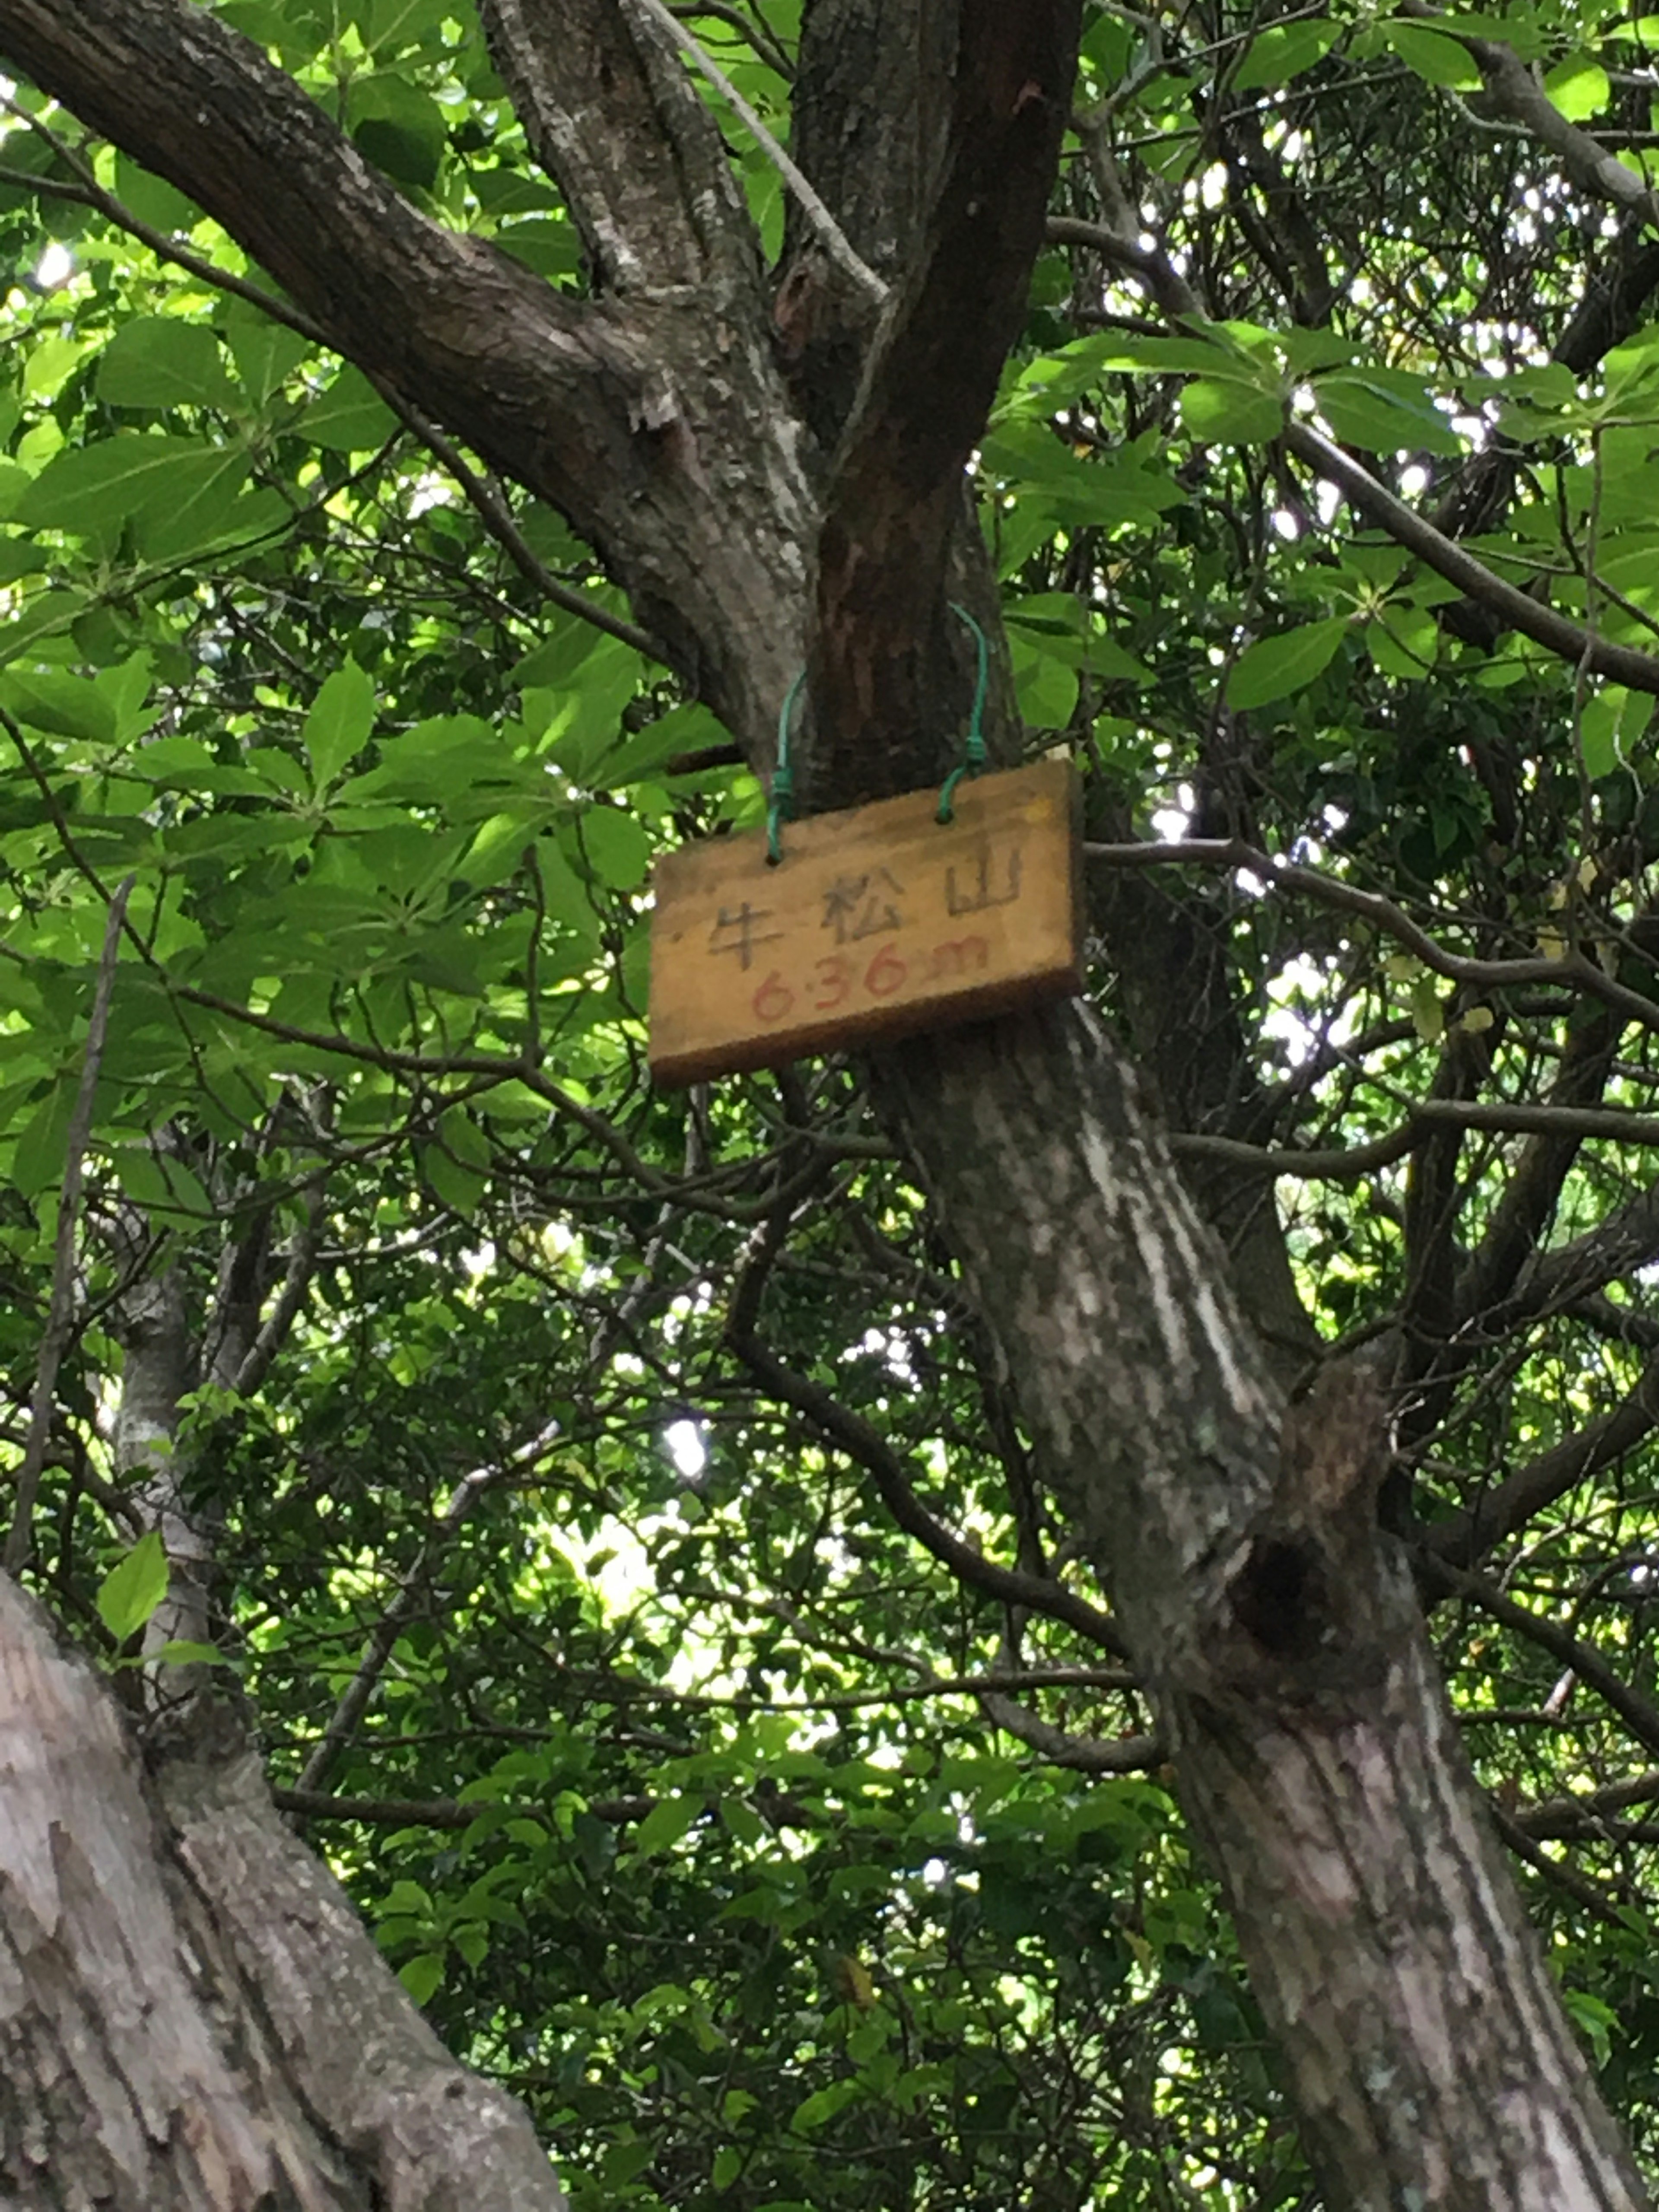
(782, 807)
(973, 748)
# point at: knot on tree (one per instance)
(1311, 1582)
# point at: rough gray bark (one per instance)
(190, 2014)
(708, 436)
(1278, 1633)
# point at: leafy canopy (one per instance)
(664, 1803)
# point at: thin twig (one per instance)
(1639, 1715)
(1574, 968)
(89, 192)
(60, 1313)
(354, 1700)
(296, 1281)
(496, 517)
(439, 1812)
(759, 38)
(868, 1449)
(830, 232)
(1584, 1893)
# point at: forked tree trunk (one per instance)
(777, 478)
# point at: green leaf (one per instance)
(566, 896)
(38, 1162)
(622, 2161)
(173, 492)
(462, 1137)
(400, 128)
(45, 615)
(574, 687)
(1403, 641)
(394, 24)
(1426, 1009)
(1055, 624)
(1595, 2019)
(160, 1182)
(618, 847)
(1230, 413)
(1274, 667)
(1282, 52)
(1612, 724)
(265, 353)
(498, 849)
(1054, 379)
(67, 706)
(131, 1590)
(728, 2165)
(548, 244)
(1129, 353)
(682, 730)
(1132, 484)
(823, 2105)
(459, 1186)
(160, 362)
(337, 728)
(152, 199)
(350, 416)
(422, 1975)
(1384, 409)
(744, 1823)
(14, 481)
(1437, 59)
(1045, 688)
(18, 557)
(1579, 87)
(180, 1651)
(665, 1823)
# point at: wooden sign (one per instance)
(875, 921)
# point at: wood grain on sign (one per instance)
(875, 921)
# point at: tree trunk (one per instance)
(1279, 1634)
(192, 2017)
(706, 431)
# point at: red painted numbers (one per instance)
(837, 982)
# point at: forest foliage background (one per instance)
(692, 1777)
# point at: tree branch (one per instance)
(881, 658)
(352, 1702)
(1467, 1537)
(1081, 1754)
(1576, 968)
(869, 1449)
(1639, 1715)
(1515, 609)
(60, 1311)
(602, 409)
(650, 187)
(1514, 91)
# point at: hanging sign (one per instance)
(876, 922)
